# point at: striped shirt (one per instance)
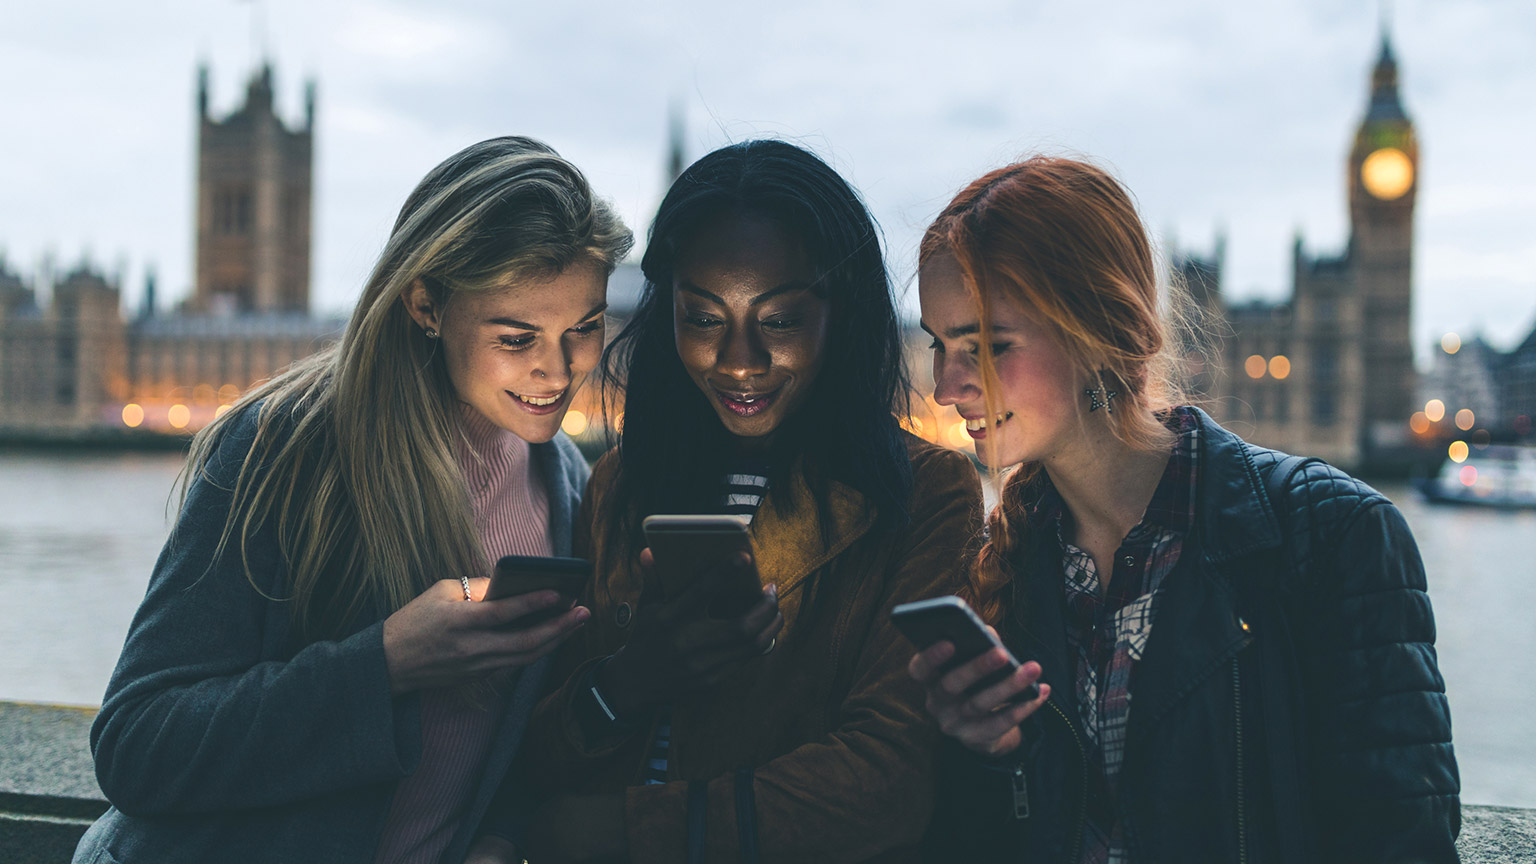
(457, 728)
(744, 491)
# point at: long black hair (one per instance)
(673, 449)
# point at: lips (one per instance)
(977, 427)
(539, 403)
(746, 404)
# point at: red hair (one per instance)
(1061, 238)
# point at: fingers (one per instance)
(957, 681)
(926, 664)
(1002, 693)
(499, 613)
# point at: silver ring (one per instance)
(464, 580)
(772, 644)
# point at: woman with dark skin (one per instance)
(764, 378)
(1233, 647)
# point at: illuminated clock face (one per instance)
(1387, 173)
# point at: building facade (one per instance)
(1329, 372)
(254, 192)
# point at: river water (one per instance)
(79, 534)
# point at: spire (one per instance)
(202, 90)
(1385, 104)
(676, 157)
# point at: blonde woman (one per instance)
(307, 679)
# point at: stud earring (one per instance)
(431, 334)
(1101, 397)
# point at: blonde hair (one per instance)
(1062, 238)
(352, 464)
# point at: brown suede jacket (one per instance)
(833, 728)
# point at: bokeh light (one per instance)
(1468, 475)
(221, 410)
(133, 414)
(1450, 343)
(1465, 419)
(1418, 423)
(179, 416)
(1481, 439)
(574, 423)
(1254, 366)
(1458, 451)
(1280, 367)
(1434, 409)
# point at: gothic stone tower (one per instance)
(253, 204)
(1383, 181)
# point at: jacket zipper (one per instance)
(1082, 786)
(1020, 793)
(1242, 804)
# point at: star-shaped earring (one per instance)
(1100, 397)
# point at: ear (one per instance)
(421, 307)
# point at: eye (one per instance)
(700, 322)
(781, 324)
(588, 328)
(936, 346)
(515, 343)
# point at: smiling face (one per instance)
(518, 354)
(749, 329)
(1039, 396)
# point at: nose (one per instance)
(552, 365)
(955, 379)
(742, 355)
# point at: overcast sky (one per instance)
(1216, 114)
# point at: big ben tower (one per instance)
(1383, 180)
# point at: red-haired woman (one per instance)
(1235, 647)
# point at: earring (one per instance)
(1101, 397)
(431, 334)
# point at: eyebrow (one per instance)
(761, 298)
(965, 330)
(524, 325)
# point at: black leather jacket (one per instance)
(1288, 706)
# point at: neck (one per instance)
(1104, 483)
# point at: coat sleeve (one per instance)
(1384, 780)
(868, 785)
(198, 717)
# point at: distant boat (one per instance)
(1496, 476)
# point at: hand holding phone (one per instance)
(687, 548)
(976, 689)
(525, 574)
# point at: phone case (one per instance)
(687, 547)
(524, 574)
(951, 619)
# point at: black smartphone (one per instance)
(524, 574)
(686, 547)
(951, 619)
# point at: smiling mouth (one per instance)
(977, 427)
(540, 404)
(746, 404)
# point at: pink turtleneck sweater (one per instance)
(458, 727)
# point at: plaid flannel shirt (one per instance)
(1107, 634)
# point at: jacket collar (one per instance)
(789, 545)
(1234, 515)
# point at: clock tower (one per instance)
(1383, 181)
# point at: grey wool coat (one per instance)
(218, 740)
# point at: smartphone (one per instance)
(687, 547)
(951, 619)
(524, 574)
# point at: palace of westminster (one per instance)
(1328, 372)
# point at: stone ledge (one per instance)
(49, 796)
